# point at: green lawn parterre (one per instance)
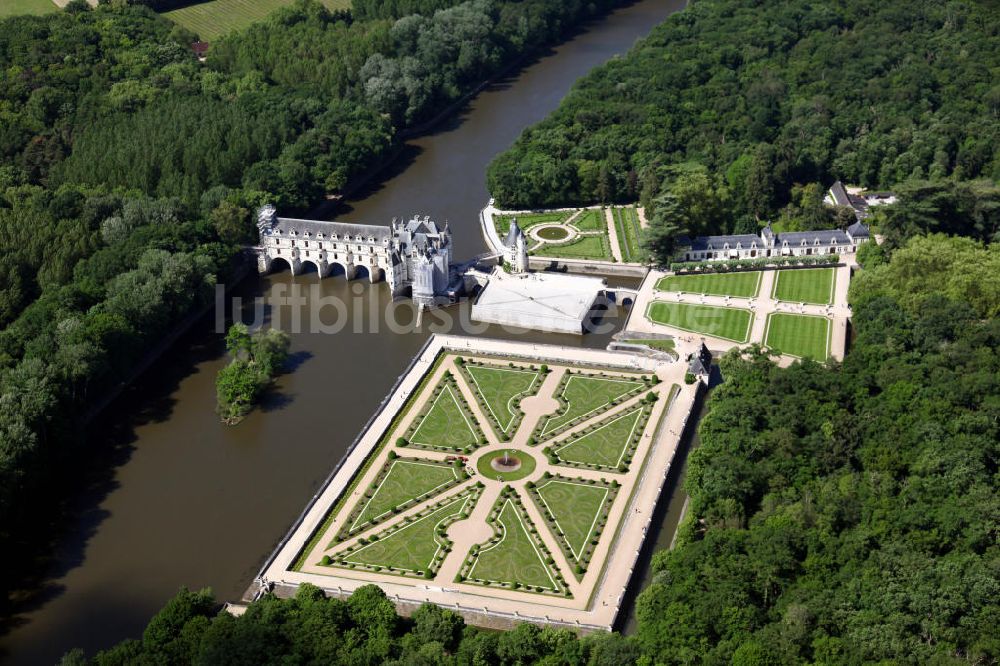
(402, 482)
(805, 285)
(591, 220)
(18, 7)
(212, 19)
(446, 422)
(799, 335)
(577, 511)
(583, 395)
(739, 285)
(609, 445)
(514, 558)
(719, 322)
(528, 220)
(627, 227)
(584, 247)
(502, 389)
(412, 546)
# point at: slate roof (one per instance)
(858, 230)
(701, 363)
(839, 194)
(512, 234)
(287, 225)
(719, 242)
(825, 237)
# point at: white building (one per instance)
(516, 249)
(414, 254)
(857, 199)
(770, 244)
(553, 302)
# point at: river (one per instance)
(172, 498)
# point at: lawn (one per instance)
(575, 509)
(726, 323)
(502, 389)
(591, 220)
(664, 344)
(585, 247)
(516, 558)
(739, 285)
(583, 395)
(212, 19)
(626, 221)
(412, 547)
(405, 482)
(798, 335)
(529, 220)
(17, 7)
(447, 424)
(805, 285)
(606, 445)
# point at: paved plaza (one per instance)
(503, 480)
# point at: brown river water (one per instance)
(173, 498)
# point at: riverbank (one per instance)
(186, 501)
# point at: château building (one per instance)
(770, 244)
(412, 256)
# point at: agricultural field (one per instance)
(34, 7)
(213, 19)
(737, 285)
(719, 322)
(805, 285)
(798, 335)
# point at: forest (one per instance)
(841, 513)
(129, 173)
(731, 113)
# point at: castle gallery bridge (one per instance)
(414, 255)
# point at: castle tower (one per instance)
(516, 244)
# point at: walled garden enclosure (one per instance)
(500, 473)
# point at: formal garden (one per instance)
(805, 285)
(737, 285)
(720, 322)
(446, 422)
(402, 483)
(416, 546)
(607, 444)
(500, 389)
(581, 233)
(448, 476)
(798, 335)
(515, 558)
(576, 511)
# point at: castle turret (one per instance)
(516, 244)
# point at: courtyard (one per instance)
(509, 481)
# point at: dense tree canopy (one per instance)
(770, 96)
(129, 170)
